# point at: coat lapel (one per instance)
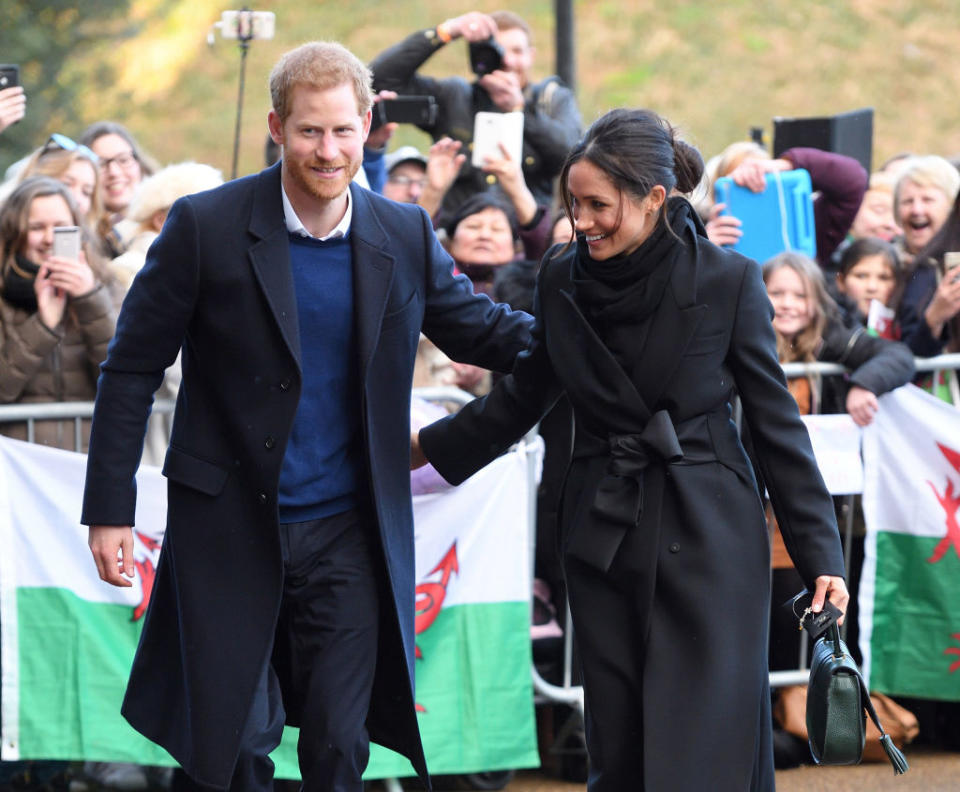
(270, 257)
(373, 269)
(674, 324)
(595, 371)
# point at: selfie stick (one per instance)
(244, 37)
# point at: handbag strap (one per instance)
(897, 759)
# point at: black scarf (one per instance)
(620, 295)
(18, 283)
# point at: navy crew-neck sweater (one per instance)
(321, 472)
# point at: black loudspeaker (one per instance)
(846, 133)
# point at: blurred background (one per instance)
(714, 69)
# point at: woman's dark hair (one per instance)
(869, 246)
(148, 165)
(874, 246)
(478, 203)
(637, 150)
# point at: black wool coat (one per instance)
(218, 281)
(695, 539)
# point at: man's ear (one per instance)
(275, 125)
(367, 120)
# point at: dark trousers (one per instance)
(326, 653)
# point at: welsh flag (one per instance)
(68, 639)
(910, 589)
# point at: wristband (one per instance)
(443, 33)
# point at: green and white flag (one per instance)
(68, 639)
(910, 589)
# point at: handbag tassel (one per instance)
(897, 759)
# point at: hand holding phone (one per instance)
(66, 242)
(951, 260)
(13, 101)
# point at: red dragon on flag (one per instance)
(430, 595)
(950, 501)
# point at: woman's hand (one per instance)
(722, 229)
(752, 172)
(862, 405)
(51, 301)
(443, 166)
(13, 106)
(945, 303)
(72, 276)
(417, 458)
(511, 180)
(833, 587)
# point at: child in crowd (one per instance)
(809, 328)
(869, 281)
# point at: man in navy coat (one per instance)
(285, 587)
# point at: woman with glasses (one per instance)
(57, 314)
(123, 165)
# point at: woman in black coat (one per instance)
(649, 328)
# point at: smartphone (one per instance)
(492, 129)
(248, 24)
(419, 110)
(66, 242)
(9, 75)
(951, 260)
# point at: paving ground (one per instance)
(929, 772)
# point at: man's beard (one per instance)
(324, 190)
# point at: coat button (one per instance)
(491, 179)
(675, 547)
(261, 498)
(269, 442)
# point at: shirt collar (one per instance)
(295, 226)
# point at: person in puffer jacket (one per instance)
(57, 315)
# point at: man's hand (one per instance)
(472, 26)
(112, 548)
(417, 457)
(13, 106)
(504, 89)
(379, 137)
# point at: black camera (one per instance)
(485, 56)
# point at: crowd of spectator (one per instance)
(881, 289)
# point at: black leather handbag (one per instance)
(837, 699)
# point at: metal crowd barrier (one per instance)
(567, 693)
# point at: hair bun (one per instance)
(688, 165)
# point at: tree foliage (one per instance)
(44, 38)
